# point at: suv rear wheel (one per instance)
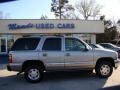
(33, 74)
(104, 69)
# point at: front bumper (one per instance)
(117, 63)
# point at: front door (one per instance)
(76, 55)
(3, 45)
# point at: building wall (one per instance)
(10, 30)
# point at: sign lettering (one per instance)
(41, 26)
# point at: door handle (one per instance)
(67, 54)
(44, 54)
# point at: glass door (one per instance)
(3, 45)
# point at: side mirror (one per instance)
(86, 49)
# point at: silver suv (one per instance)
(34, 55)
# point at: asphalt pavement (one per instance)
(58, 80)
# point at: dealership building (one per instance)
(11, 29)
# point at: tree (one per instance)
(110, 31)
(59, 7)
(88, 8)
(1, 15)
(4, 16)
(118, 22)
(70, 15)
(43, 17)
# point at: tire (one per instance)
(104, 69)
(33, 74)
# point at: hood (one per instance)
(106, 53)
(103, 49)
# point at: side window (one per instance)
(73, 44)
(52, 44)
(25, 44)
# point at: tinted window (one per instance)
(52, 44)
(107, 46)
(72, 44)
(25, 44)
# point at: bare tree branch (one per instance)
(88, 8)
(43, 17)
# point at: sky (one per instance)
(33, 9)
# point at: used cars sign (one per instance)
(42, 26)
(37, 26)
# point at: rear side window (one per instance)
(52, 44)
(25, 44)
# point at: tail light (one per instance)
(10, 58)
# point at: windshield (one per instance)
(108, 45)
(96, 46)
(114, 46)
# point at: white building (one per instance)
(12, 29)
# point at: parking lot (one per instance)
(58, 81)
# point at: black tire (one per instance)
(33, 74)
(104, 69)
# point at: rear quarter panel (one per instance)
(21, 56)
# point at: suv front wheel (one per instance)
(33, 74)
(104, 69)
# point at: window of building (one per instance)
(52, 44)
(10, 42)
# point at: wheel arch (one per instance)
(33, 62)
(107, 59)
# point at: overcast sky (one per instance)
(33, 9)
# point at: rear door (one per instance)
(52, 53)
(25, 49)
